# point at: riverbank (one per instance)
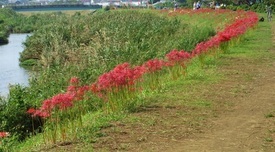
(93, 104)
(183, 98)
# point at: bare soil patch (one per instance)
(237, 115)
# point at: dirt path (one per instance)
(245, 128)
(243, 125)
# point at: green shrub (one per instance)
(13, 113)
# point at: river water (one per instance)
(10, 71)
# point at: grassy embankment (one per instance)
(66, 46)
(82, 134)
(196, 102)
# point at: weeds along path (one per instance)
(235, 112)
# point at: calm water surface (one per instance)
(10, 71)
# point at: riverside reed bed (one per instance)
(120, 88)
(12, 22)
(5, 20)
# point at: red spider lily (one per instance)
(34, 112)
(74, 85)
(31, 111)
(138, 71)
(94, 88)
(72, 89)
(74, 81)
(105, 80)
(42, 114)
(62, 101)
(38, 113)
(213, 42)
(200, 48)
(121, 75)
(223, 37)
(4, 134)
(80, 92)
(178, 56)
(154, 65)
(47, 105)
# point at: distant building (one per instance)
(120, 2)
(17, 1)
(13, 1)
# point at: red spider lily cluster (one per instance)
(154, 65)
(123, 75)
(4, 134)
(60, 101)
(239, 27)
(178, 57)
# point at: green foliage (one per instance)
(12, 22)
(3, 37)
(8, 21)
(30, 62)
(107, 8)
(7, 144)
(257, 7)
(152, 1)
(14, 118)
(106, 35)
(261, 8)
(195, 35)
(94, 44)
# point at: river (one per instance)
(10, 71)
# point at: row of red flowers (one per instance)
(126, 75)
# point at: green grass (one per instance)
(255, 43)
(92, 123)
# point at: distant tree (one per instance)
(182, 1)
(249, 2)
(153, 1)
(190, 2)
(269, 2)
